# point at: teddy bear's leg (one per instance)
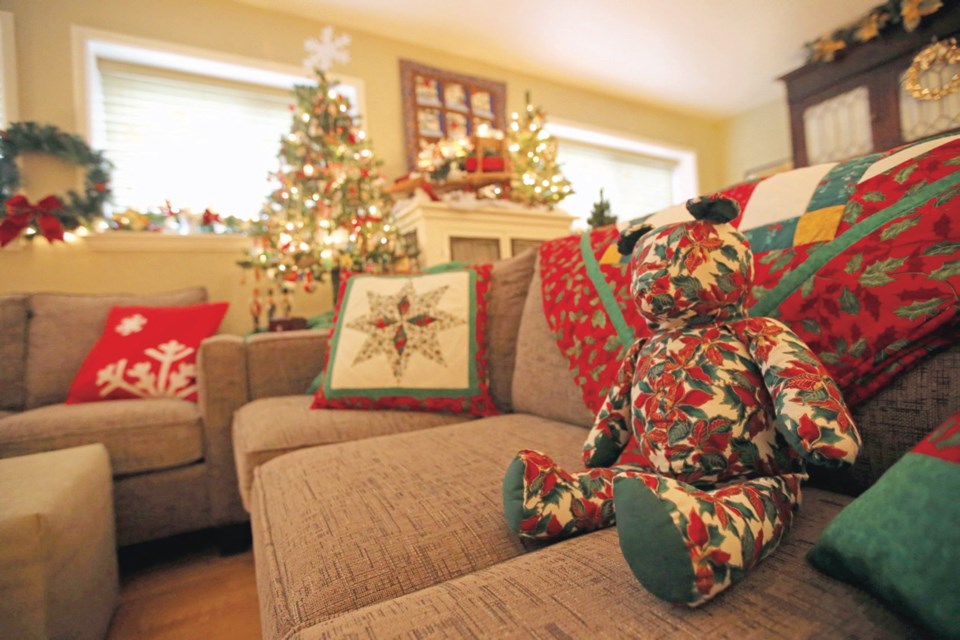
(542, 501)
(686, 545)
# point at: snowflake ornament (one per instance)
(130, 325)
(324, 52)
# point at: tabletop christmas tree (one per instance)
(600, 215)
(537, 179)
(327, 211)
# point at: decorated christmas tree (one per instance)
(537, 179)
(600, 215)
(326, 212)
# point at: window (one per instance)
(8, 71)
(637, 177)
(188, 127)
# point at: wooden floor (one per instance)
(184, 590)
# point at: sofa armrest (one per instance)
(284, 363)
(222, 389)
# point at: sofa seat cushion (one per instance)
(337, 528)
(140, 435)
(583, 588)
(270, 427)
(13, 350)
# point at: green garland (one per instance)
(77, 208)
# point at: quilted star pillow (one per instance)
(146, 352)
(415, 342)
(900, 539)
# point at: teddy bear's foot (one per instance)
(542, 501)
(686, 545)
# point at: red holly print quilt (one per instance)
(861, 259)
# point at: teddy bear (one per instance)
(700, 445)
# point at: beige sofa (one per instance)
(172, 460)
(379, 524)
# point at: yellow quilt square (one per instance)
(818, 226)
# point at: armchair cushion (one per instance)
(13, 350)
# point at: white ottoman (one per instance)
(58, 562)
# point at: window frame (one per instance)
(685, 175)
(8, 57)
(91, 45)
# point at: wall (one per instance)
(45, 68)
(757, 138)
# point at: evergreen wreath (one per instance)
(75, 209)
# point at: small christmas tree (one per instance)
(537, 179)
(327, 211)
(600, 215)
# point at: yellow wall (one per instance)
(45, 79)
(757, 138)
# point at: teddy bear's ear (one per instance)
(714, 208)
(630, 236)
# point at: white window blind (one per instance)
(634, 184)
(195, 140)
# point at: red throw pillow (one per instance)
(415, 342)
(146, 352)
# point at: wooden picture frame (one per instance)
(438, 104)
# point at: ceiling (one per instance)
(712, 57)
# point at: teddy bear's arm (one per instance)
(810, 410)
(611, 428)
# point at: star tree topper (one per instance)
(327, 50)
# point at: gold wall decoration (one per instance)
(944, 52)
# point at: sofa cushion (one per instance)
(142, 435)
(509, 284)
(13, 350)
(416, 342)
(269, 427)
(543, 383)
(337, 528)
(582, 588)
(146, 352)
(63, 329)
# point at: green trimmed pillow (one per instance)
(415, 342)
(900, 540)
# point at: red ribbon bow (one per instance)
(209, 217)
(20, 212)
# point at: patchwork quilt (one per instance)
(861, 259)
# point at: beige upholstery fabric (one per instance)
(336, 528)
(58, 564)
(64, 328)
(267, 428)
(897, 418)
(284, 363)
(582, 588)
(543, 383)
(141, 435)
(222, 389)
(509, 283)
(13, 345)
(159, 504)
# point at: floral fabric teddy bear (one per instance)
(700, 445)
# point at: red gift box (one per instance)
(492, 163)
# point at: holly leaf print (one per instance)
(943, 249)
(875, 275)
(948, 270)
(849, 302)
(852, 211)
(919, 309)
(897, 228)
(874, 196)
(854, 264)
(904, 174)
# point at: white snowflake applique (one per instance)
(165, 377)
(131, 324)
(323, 52)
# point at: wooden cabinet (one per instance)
(445, 233)
(857, 105)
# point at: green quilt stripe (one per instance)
(827, 252)
(607, 297)
(840, 182)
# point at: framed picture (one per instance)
(438, 103)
